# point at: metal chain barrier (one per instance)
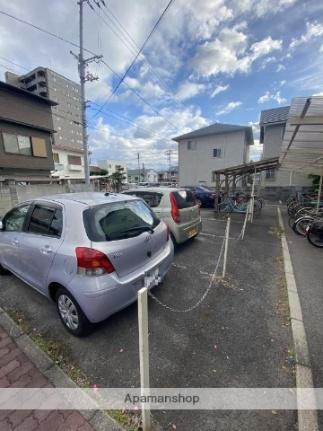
(199, 302)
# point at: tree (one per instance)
(116, 179)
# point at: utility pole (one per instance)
(82, 63)
(168, 154)
(139, 168)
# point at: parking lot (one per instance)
(238, 337)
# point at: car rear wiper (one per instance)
(143, 228)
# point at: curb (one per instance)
(99, 420)
(307, 419)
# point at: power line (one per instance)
(123, 118)
(12, 62)
(90, 52)
(137, 55)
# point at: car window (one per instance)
(184, 199)
(45, 221)
(151, 198)
(120, 220)
(15, 219)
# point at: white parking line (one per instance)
(307, 419)
(212, 235)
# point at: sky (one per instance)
(207, 61)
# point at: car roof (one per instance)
(85, 198)
(154, 189)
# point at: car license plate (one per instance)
(191, 233)
(152, 278)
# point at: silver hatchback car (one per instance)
(87, 251)
(176, 207)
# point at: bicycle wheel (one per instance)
(300, 225)
(315, 234)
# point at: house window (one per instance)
(270, 174)
(39, 147)
(217, 152)
(17, 144)
(74, 160)
(24, 145)
(191, 145)
(10, 143)
(56, 157)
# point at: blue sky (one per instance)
(208, 61)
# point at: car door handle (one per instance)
(47, 249)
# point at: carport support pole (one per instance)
(319, 195)
(226, 245)
(144, 354)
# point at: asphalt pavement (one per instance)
(238, 337)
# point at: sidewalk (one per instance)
(16, 370)
(307, 265)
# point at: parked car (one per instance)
(204, 196)
(86, 251)
(176, 207)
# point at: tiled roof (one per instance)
(275, 115)
(214, 129)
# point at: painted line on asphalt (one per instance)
(178, 266)
(307, 419)
(213, 235)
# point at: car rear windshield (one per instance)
(120, 220)
(151, 198)
(184, 199)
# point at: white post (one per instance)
(144, 354)
(245, 222)
(226, 245)
(319, 195)
(252, 197)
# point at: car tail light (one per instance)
(174, 208)
(93, 262)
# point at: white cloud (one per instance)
(229, 107)
(318, 94)
(313, 30)
(107, 142)
(228, 52)
(255, 127)
(260, 8)
(280, 67)
(219, 89)
(256, 151)
(272, 96)
(321, 48)
(282, 82)
(187, 90)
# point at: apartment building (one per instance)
(112, 165)
(26, 130)
(211, 148)
(68, 139)
(278, 183)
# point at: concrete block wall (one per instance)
(11, 194)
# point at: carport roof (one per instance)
(302, 148)
(261, 165)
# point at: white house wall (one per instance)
(196, 166)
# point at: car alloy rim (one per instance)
(68, 312)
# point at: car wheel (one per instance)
(3, 271)
(71, 314)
